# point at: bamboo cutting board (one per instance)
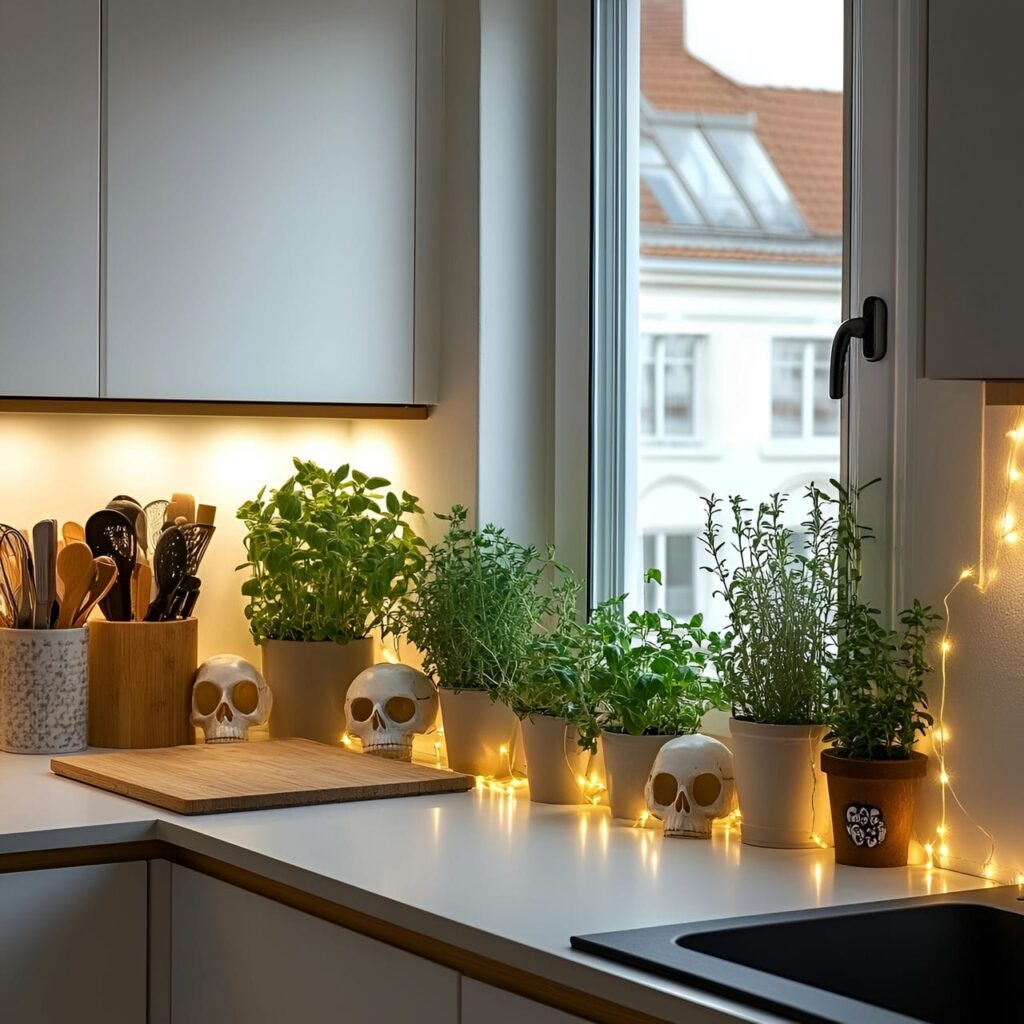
(210, 778)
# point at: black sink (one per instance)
(944, 959)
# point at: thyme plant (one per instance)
(776, 661)
(881, 705)
(332, 555)
(477, 606)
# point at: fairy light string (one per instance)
(983, 576)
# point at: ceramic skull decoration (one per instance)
(387, 705)
(228, 696)
(691, 783)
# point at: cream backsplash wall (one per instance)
(67, 466)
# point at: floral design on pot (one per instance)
(865, 825)
(229, 696)
(387, 705)
(690, 785)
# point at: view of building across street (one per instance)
(740, 281)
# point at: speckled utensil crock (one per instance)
(44, 690)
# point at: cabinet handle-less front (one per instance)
(871, 326)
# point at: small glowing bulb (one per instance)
(644, 816)
(1012, 537)
(943, 850)
(988, 870)
(941, 829)
(1014, 474)
(503, 750)
(1013, 435)
(966, 574)
(581, 781)
(944, 777)
(595, 800)
(1019, 880)
(947, 646)
(346, 739)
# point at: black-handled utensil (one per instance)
(132, 511)
(170, 558)
(111, 533)
(197, 539)
(19, 581)
(184, 598)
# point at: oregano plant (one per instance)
(332, 555)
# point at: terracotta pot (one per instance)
(309, 681)
(782, 795)
(44, 690)
(475, 730)
(554, 759)
(873, 807)
(140, 683)
(627, 764)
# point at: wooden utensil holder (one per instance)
(140, 683)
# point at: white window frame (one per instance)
(660, 437)
(661, 536)
(808, 366)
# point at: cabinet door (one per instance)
(49, 198)
(260, 200)
(974, 216)
(484, 1004)
(240, 957)
(73, 945)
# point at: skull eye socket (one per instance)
(400, 709)
(664, 788)
(245, 696)
(706, 789)
(361, 708)
(207, 697)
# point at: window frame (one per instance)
(809, 364)
(660, 438)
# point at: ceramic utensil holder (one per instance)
(44, 690)
(141, 674)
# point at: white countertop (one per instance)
(493, 874)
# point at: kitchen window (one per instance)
(669, 365)
(801, 407)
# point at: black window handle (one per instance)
(871, 326)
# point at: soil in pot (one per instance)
(309, 681)
(873, 806)
(782, 795)
(554, 759)
(475, 730)
(627, 764)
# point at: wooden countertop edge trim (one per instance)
(472, 965)
(167, 407)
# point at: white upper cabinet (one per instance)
(49, 198)
(974, 219)
(260, 200)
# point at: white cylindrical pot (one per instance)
(627, 764)
(44, 690)
(475, 730)
(783, 796)
(310, 681)
(554, 759)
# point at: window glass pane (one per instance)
(826, 411)
(679, 573)
(679, 387)
(671, 198)
(648, 420)
(703, 172)
(787, 388)
(756, 175)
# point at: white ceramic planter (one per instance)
(309, 682)
(475, 730)
(554, 759)
(627, 764)
(783, 796)
(44, 690)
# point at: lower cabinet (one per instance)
(485, 1004)
(73, 945)
(236, 956)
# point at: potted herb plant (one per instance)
(647, 681)
(548, 698)
(776, 663)
(478, 601)
(880, 712)
(332, 557)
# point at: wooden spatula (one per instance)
(142, 584)
(104, 577)
(181, 505)
(73, 532)
(76, 570)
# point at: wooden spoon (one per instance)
(181, 505)
(76, 569)
(104, 577)
(142, 583)
(73, 532)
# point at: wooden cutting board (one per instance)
(210, 778)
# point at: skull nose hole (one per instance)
(682, 804)
(378, 722)
(361, 708)
(664, 788)
(245, 696)
(400, 709)
(224, 714)
(706, 789)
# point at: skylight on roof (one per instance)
(715, 175)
